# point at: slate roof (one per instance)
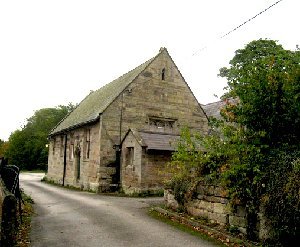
(213, 109)
(96, 102)
(154, 140)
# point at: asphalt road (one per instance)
(74, 218)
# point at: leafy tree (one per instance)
(3, 147)
(265, 78)
(27, 147)
(255, 149)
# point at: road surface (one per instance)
(74, 218)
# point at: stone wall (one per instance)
(89, 160)
(147, 96)
(212, 202)
(142, 170)
(8, 216)
(153, 172)
(131, 169)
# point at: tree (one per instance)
(265, 78)
(255, 151)
(3, 147)
(27, 147)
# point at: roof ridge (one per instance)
(213, 102)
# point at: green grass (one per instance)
(182, 227)
(24, 227)
(33, 171)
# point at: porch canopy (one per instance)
(155, 140)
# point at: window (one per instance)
(163, 71)
(87, 143)
(130, 158)
(53, 147)
(61, 146)
(78, 162)
(161, 124)
(71, 147)
(72, 151)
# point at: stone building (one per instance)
(123, 133)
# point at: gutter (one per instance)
(72, 127)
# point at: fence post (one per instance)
(8, 206)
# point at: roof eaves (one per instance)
(74, 127)
(52, 132)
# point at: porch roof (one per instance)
(156, 140)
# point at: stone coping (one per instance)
(215, 233)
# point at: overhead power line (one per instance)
(239, 26)
(250, 19)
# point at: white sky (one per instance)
(54, 52)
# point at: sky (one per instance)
(53, 52)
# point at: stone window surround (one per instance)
(162, 122)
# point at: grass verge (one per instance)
(23, 232)
(183, 227)
(200, 227)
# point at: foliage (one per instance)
(24, 226)
(27, 147)
(3, 147)
(265, 78)
(282, 197)
(254, 149)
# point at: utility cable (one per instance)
(250, 19)
(239, 26)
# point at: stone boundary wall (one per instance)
(8, 216)
(212, 202)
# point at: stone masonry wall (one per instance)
(153, 172)
(212, 203)
(148, 95)
(142, 170)
(131, 174)
(88, 165)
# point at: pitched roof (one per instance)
(213, 109)
(155, 140)
(97, 101)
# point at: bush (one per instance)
(282, 198)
